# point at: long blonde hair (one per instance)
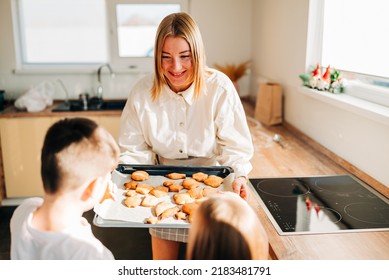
(179, 25)
(226, 227)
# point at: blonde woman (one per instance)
(184, 114)
(225, 227)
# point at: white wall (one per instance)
(225, 26)
(271, 32)
(279, 51)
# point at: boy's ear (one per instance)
(88, 192)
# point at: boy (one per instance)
(77, 158)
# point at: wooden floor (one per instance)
(291, 157)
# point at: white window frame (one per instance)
(356, 87)
(140, 64)
(131, 64)
(24, 67)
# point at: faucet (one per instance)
(99, 86)
(59, 81)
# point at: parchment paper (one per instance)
(116, 214)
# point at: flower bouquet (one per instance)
(330, 81)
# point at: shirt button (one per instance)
(181, 124)
(181, 151)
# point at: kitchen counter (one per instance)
(301, 156)
(298, 156)
(13, 112)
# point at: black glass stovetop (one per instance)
(324, 204)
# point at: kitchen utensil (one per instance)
(114, 214)
(278, 139)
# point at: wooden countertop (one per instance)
(13, 112)
(302, 157)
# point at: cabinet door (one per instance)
(111, 124)
(21, 142)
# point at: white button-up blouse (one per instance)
(178, 128)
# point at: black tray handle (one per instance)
(222, 171)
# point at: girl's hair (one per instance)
(74, 151)
(179, 25)
(225, 227)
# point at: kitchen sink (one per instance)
(92, 105)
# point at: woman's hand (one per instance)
(240, 187)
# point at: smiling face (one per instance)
(177, 63)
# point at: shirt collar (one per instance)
(168, 94)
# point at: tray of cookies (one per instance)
(160, 195)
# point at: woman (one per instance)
(184, 114)
(226, 228)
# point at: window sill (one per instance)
(356, 105)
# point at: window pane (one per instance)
(137, 25)
(356, 37)
(71, 31)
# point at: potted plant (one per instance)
(234, 71)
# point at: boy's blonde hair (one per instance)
(179, 25)
(76, 150)
(226, 227)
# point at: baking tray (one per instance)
(115, 214)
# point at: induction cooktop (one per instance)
(322, 204)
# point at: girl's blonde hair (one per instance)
(226, 227)
(179, 25)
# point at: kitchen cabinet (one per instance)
(21, 142)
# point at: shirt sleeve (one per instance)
(233, 137)
(133, 147)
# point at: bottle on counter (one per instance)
(2, 93)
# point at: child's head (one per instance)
(75, 152)
(226, 227)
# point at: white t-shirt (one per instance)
(210, 130)
(76, 243)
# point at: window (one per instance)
(354, 40)
(134, 29)
(74, 34)
(55, 32)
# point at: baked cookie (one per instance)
(195, 193)
(189, 208)
(180, 215)
(182, 198)
(213, 181)
(199, 176)
(208, 191)
(174, 187)
(140, 175)
(151, 220)
(159, 191)
(132, 201)
(130, 193)
(175, 176)
(148, 201)
(131, 185)
(168, 183)
(190, 183)
(144, 188)
(162, 206)
(170, 212)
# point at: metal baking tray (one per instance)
(115, 214)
